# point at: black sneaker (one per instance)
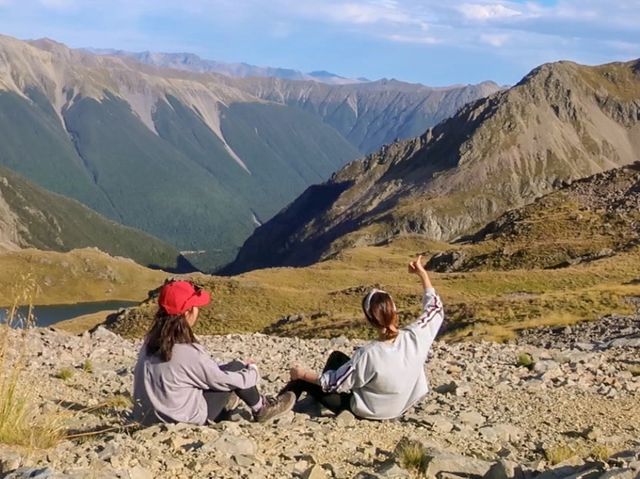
(273, 407)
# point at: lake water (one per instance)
(51, 314)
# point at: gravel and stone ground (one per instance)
(574, 411)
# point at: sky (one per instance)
(434, 42)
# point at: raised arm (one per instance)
(416, 267)
(432, 314)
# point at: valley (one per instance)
(195, 159)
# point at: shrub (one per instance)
(411, 455)
(87, 366)
(525, 360)
(65, 374)
(600, 452)
(558, 453)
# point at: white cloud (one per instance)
(358, 12)
(495, 39)
(487, 12)
(418, 39)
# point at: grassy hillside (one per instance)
(76, 276)
(323, 300)
(36, 218)
(147, 147)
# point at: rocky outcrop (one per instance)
(572, 412)
(495, 154)
(587, 220)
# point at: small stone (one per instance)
(455, 463)
(447, 388)
(472, 418)
(626, 473)
(139, 472)
(244, 461)
(103, 333)
(501, 432)
(504, 469)
(232, 445)
(300, 467)
(345, 418)
(9, 461)
(315, 472)
(392, 470)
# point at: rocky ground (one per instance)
(557, 403)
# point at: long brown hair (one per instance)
(380, 311)
(166, 331)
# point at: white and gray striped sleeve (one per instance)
(428, 323)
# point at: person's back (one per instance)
(395, 370)
(385, 377)
(173, 390)
(175, 379)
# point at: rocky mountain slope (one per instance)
(368, 114)
(590, 219)
(194, 63)
(372, 114)
(562, 122)
(191, 158)
(176, 154)
(571, 413)
(31, 217)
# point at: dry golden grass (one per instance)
(484, 304)
(559, 453)
(83, 323)
(412, 455)
(21, 423)
(76, 276)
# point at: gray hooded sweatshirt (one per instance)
(387, 378)
(172, 391)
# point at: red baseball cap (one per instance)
(178, 297)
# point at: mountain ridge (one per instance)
(114, 134)
(563, 121)
(32, 217)
(192, 62)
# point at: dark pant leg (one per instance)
(250, 396)
(217, 400)
(335, 402)
(335, 360)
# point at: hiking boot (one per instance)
(232, 402)
(273, 407)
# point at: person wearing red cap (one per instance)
(175, 379)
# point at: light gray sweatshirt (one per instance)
(387, 378)
(173, 390)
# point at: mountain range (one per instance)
(562, 122)
(196, 159)
(194, 63)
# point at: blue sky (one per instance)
(434, 42)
